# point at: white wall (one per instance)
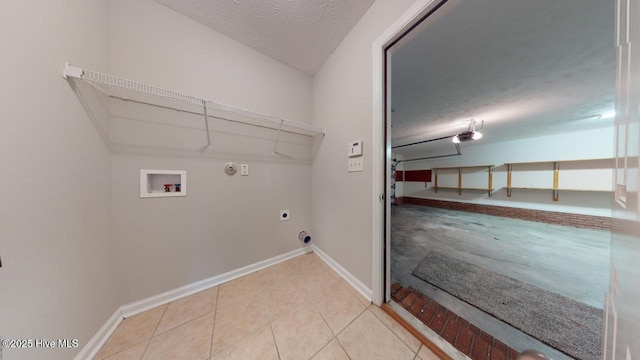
(342, 103)
(588, 144)
(57, 279)
(224, 222)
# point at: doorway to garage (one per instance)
(501, 177)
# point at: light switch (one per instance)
(355, 148)
(244, 169)
(356, 164)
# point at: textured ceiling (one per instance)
(527, 68)
(300, 33)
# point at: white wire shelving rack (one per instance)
(123, 90)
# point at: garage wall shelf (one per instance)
(460, 169)
(589, 175)
(131, 97)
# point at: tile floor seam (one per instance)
(343, 349)
(213, 329)
(211, 354)
(264, 303)
(121, 351)
(327, 323)
(349, 324)
(322, 347)
(394, 333)
(332, 333)
(146, 348)
(273, 336)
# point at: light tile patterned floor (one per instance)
(295, 310)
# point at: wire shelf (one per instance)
(117, 94)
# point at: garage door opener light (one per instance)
(470, 134)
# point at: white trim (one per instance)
(94, 345)
(408, 19)
(346, 275)
(174, 294)
(90, 350)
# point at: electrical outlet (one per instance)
(284, 215)
(356, 164)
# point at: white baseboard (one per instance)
(175, 294)
(100, 338)
(346, 275)
(94, 345)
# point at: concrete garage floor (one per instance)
(568, 261)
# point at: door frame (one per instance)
(381, 147)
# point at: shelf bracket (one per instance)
(206, 125)
(556, 173)
(490, 180)
(509, 169)
(275, 146)
(71, 71)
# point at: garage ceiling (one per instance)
(300, 33)
(527, 68)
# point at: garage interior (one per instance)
(502, 141)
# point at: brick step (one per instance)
(464, 336)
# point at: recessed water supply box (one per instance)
(162, 183)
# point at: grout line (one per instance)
(322, 348)
(330, 329)
(154, 331)
(269, 318)
(215, 317)
(119, 352)
(326, 323)
(273, 335)
(342, 347)
(394, 333)
(352, 321)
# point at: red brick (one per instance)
(480, 349)
(497, 344)
(513, 355)
(401, 294)
(439, 321)
(474, 330)
(428, 312)
(408, 300)
(451, 331)
(464, 341)
(419, 304)
(497, 354)
(463, 323)
(395, 287)
(486, 337)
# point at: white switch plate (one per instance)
(355, 148)
(244, 169)
(356, 164)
